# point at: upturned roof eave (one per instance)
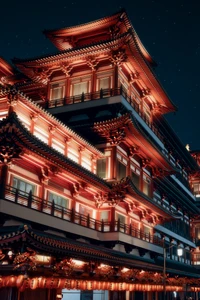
(32, 143)
(134, 125)
(36, 107)
(129, 37)
(90, 24)
(76, 51)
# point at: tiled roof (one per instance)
(72, 248)
(22, 136)
(68, 248)
(38, 109)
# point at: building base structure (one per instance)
(54, 294)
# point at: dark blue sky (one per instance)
(168, 29)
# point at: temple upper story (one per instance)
(101, 55)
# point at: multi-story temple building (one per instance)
(97, 193)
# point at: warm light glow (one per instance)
(78, 262)
(42, 259)
(124, 270)
(23, 282)
(103, 266)
(10, 253)
(179, 251)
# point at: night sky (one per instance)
(170, 31)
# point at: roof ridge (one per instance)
(46, 31)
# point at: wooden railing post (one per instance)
(62, 215)
(30, 198)
(42, 205)
(130, 229)
(82, 97)
(101, 93)
(16, 195)
(102, 225)
(72, 215)
(88, 220)
(52, 208)
(118, 225)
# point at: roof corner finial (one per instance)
(187, 147)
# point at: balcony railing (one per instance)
(70, 215)
(105, 93)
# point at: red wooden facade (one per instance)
(94, 182)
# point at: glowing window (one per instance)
(23, 186)
(104, 83)
(57, 91)
(79, 88)
(58, 200)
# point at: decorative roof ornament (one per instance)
(187, 147)
(134, 150)
(117, 136)
(44, 176)
(134, 76)
(100, 199)
(12, 97)
(42, 75)
(66, 68)
(113, 197)
(158, 172)
(145, 92)
(145, 162)
(118, 57)
(92, 63)
(9, 151)
(66, 265)
(114, 31)
(4, 80)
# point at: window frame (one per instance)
(50, 192)
(20, 179)
(63, 92)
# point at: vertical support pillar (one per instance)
(67, 90)
(33, 118)
(127, 295)
(51, 132)
(93, 83)
(67, 141)
(112, 219)
(115, 77)
(93, 163)
(113, 163)
(3, 180)
(80, 150)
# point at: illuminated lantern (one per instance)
(33, 283)
(10, 281)
(94, 284)
(1, 282)
(72, 284)
(23, 286)
(90, 285)
(19, 280)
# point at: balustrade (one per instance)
(35, 203)
(105, 93)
